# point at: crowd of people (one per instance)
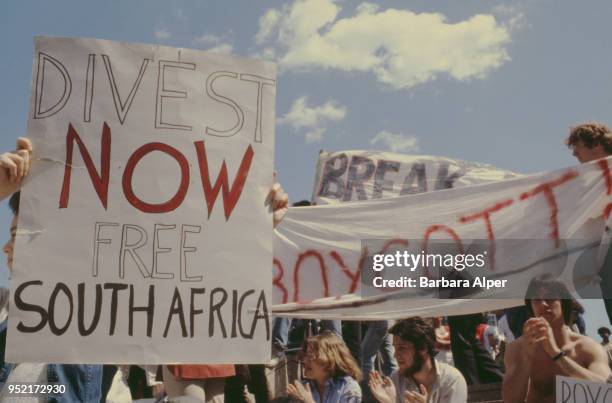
(432, 360)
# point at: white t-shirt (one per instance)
(449, 387)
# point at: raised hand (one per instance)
(14, 166)
(381, 388)
(279, 201)
(416, 397)
(300, 392)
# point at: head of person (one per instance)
(9, 246)
(414, 342)
(549, 299)
(604, 332)
(590, 141)
(326, 356)
(493, 336)
(302, 203)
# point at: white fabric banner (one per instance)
(152, 168)
(319, 259)
(344, 176)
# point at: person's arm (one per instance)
(14, 166)
(597, 370)
(518, 368)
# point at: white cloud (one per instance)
(266, 54)
(162, 34)
(224, 48)
(313, 118)
(367, 8)
(396, 142)
(400, 47)
(208, 39)
(511, 15)
(314, 136)
(214, 43)
(267, 24)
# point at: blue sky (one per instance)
(492, 81)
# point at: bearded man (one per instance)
(420, 378)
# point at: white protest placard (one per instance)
(570, 390)
(319, 260)
(353, 175)
(144, 236)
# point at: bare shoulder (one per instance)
(586, 345)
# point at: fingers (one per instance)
(409, 397)
(375, 377)
(25, 156)
(292, 391)
(20, 166)
(413, 397)
(17, 164)
(24, 143)
(7, 163)
(279, 198)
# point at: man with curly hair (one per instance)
(589, 142)
(420, 378)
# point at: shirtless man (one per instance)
(549, 348)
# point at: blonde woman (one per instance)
(332, 374)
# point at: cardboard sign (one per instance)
(570, 390)
(143, 231)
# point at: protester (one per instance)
(469, 354)
(604, 333)
(249, 383)
(14, 166)
(420, 378)
(548, 348)
(83, 382)
(589, 142)
(377, 339)
(492, 340)
(443, 342)
(331, 371)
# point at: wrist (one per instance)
(558, 355)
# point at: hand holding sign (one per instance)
(15, 166)
(279, 201)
